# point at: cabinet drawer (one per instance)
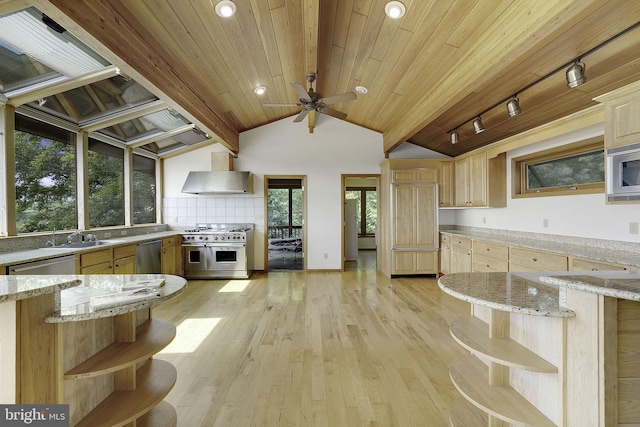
(492, 250)
(124, 251)
(169, 241)
(484, 263)
(459, 242)
(584, 264)
(538, 260)
(97, 257)
(445, 238)
(414, 175)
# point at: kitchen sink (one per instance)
(80, 245)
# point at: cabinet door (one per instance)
(101, 268)
(460, 260)
(426, 262)
(446, 182)
(445, 258)
(424, 207)
(169, 260)
(462, 182)
(403, 216)
(125, 265)
(478, 180)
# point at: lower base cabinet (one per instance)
(414, 262)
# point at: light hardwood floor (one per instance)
(313, 349)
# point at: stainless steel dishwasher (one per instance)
(60, 265)
(148, 258)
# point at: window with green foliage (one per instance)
(106, 184)
(45, 177)
(573, 169)
(368, 211)
(144, 190)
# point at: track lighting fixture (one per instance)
(513, 106)
(477, 125)
(454, 136)
(225, 8)
(395, 9)
(575, 74)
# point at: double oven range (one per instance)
(218, 251)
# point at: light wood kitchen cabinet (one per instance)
(489, 256)
(97, 262)
(171, 255)
(621, 116)
(446, 182)
(445, 254)
(480, 182)
(584, 264)
(407, 218)
(460, 254)
(124, 259)
(521, 259)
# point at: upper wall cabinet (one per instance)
(481, 182)
(622, 116)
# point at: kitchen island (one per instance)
(65, 340)
(550, 348)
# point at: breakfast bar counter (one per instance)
(547, 348)
(88, 341)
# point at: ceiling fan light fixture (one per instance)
(260, 90)
(513, 106)
(395, 9)
(225, 8)
(576, 74)
(478, 127)
(454, 136)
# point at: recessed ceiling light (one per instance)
(225, 8)
(361, 90)
(395, 9)
(260, 90)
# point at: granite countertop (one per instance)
(15, 288)
(73, 304)
(599, 250)
(514, 292)
(19, 257)
(616, 284)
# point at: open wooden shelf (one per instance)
(473, 334)
(470, 376)
(154, 380)
(163, 415)
(151, 337)
(464, 414)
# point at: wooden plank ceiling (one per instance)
(442, 64)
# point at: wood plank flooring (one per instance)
(313, 349)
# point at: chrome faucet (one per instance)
(52, 242)
(75, 234)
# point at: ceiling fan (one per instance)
(313, 102)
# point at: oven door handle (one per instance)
(225, 245)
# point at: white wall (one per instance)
(577, 216)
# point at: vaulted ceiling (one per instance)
(433, 70)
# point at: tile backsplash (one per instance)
(188, 211)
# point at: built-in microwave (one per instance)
(623, 174)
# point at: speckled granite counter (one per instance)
(616, 284)
(15, 288)
(626, 253)
(521, 293)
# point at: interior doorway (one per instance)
(360, 219)
(286, 213)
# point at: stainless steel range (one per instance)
(218, 251)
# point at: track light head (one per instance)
(513, 106)
(454, 136)
(576, 74)
(477, 125)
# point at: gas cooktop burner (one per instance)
(220, 228)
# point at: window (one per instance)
(106, 184)
(45, 162)
(576, 168)
(144, 190)
(368, 211)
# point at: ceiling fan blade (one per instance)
(301, 116)
(343, 97)
(282, 105)
(331, 112)
(300, 90)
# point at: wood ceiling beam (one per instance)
(311, 15)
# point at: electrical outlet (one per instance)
(484, 219)
(545, 222)
(634, 228)
(326, 256)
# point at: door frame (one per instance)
(343, 190)
(303, 180)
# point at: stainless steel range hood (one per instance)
(218, 182)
